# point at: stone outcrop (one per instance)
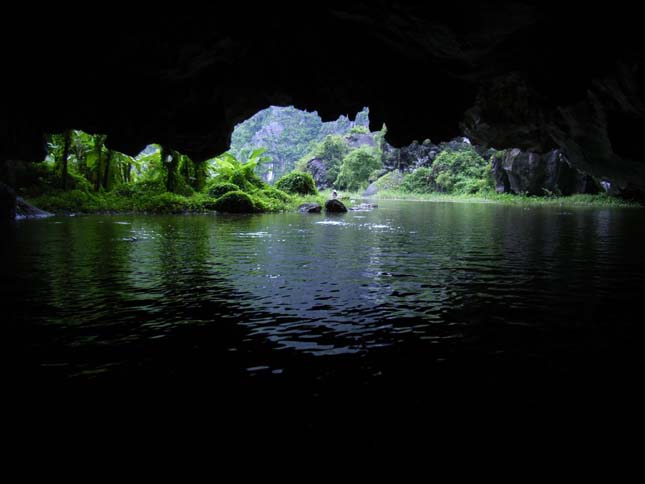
(356, 140)
(410, 157)
(318, 170)
(335, 206)
(371, 190)
(309, 208)
(26, 210)
(517, 171)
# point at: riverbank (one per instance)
(77, 201)
(601, 200)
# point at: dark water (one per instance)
(321, 319)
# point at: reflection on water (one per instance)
(98, 295)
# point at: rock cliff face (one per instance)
(318, 170)
(517, 171)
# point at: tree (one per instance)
(357, 167)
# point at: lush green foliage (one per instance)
(357, 167)
(390, 181)
(288, 134)
(451, 172)
(235, 202)
(218, 189)
(419, 181)
(359, 130)
(331, 151)
(297, 182)
(579, 200)
(461, 172)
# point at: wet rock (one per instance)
(372, 189)
(26, 210)
(316, 167)
(335, 205)
(7, 202)
(517, 171)
(310, 208)
(410, 157)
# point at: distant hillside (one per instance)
(288, 134)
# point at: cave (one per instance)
(535, 80)
(508, 74)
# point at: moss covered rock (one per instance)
(219, 189)
(235, 202)
(274, 194)
(297, 182)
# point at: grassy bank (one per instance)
(78, 201)
(601, 200)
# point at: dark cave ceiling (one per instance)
(507, 74)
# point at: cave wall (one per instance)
(527, 75)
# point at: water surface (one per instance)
(411, 299)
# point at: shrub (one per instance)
(164, 203)
(359, 130)
(357, 167)
(419, 181)
(246, 179)
(331, 151)
(235, 202)
(460, 172)
(274, 194)
(219, 189)
(297, 182)
(390, 181)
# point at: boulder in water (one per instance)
(25, 210)
(310, 208)
(335, 205)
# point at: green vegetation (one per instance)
(458, 172)
(390, 181)
(580, 200)
(81, 174)
(298, 183)
(331, 151)
(235, 202)
(288, 134)
(218, 189)
(357, 167)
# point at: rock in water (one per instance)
(25, 210)
(310, 208)
(335, 205)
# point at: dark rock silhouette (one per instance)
(517, 171)
(310, 208)
(335, 205)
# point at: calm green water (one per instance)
(320, 305)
